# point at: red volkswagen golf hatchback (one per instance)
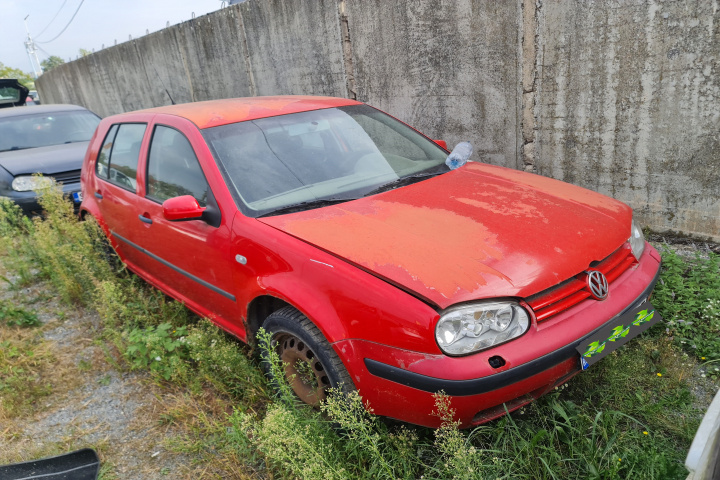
(374, 265)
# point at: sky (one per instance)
(97, 22)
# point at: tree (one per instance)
(51, 62)
(24, 78)
(84, 53)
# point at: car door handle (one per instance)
(145, 219)
(98, 195)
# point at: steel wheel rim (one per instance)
(303, 371)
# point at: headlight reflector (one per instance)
(637, 240)
(477, 327)
(25, 183)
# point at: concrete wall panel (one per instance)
(163, 64)
(294, 47)
(629, 103)
(447, 67)
(212, 56)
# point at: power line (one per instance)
(66, 26)
(53, 19)
(43, 50)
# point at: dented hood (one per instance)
(477, 232)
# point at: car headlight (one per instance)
(477, 327)
(25, 183)
(637, 240)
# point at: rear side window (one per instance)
(103, 161)
(173, 168)
(119, 155)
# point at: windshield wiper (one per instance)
(401, 182)
(11, 149)
(310, 204)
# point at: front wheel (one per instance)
(310, 364)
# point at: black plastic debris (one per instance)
(79, 465)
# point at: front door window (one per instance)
(173, 168)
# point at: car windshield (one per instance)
(311, 158)
(9, 95)
(44, 129)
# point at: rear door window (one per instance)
(103, 162)
(119, 155)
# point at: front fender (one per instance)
(343, 301)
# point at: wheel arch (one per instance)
(315, 303)
(260, 308)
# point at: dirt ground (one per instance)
(93, 402)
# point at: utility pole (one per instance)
(32, 52)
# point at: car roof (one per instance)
(213, 113)
(37, 109)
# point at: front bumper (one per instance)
(28, 201)
(401, 384)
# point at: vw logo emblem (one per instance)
(598, 284)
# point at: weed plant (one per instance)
(18, 252)
(688, 295)
(161, 349)
(220, 361)
(15, 316)
(69, 253)
(559, 439)
(630, 416)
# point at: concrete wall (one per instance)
(256, 48)
(627, 103)
(620, 96)
(439, 65)
(447, 67)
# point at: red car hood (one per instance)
(477, 232)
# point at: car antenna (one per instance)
(164, 87)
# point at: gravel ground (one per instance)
(93, 404)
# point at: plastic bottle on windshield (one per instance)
(459, 156)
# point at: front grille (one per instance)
(561, 297)
(73, 176)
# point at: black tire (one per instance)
(307, 355)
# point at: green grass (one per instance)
(688, 295)
(15, 316)
(584, 431)
(632, 415)
(23, 360)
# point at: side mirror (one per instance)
(182, 208)
(442, 143)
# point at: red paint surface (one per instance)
(397, 401)
(477, 232)
(213, 113)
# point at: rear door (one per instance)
(116, 171)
